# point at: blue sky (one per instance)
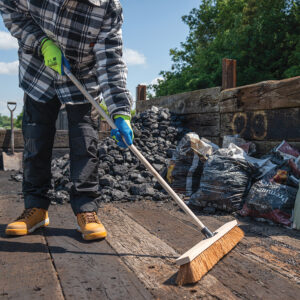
(150, 30)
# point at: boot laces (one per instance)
(28, 212)
(90, 217)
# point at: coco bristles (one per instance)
(193, 271)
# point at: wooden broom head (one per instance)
(195, 263)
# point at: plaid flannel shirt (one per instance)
(89, 34)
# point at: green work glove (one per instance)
(53, 56)
(123, 130)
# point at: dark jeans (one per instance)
(38, 130)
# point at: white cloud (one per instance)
(9, 68)
(7, 41)
(133, 57)
(156, 80)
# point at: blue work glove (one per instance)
(123, 129)
(53, 57)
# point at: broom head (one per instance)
(196, 262)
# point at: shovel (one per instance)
(12, 161)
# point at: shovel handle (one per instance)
(11, 103)
(12, 137)
(140, 156)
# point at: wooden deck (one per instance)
(137, 260)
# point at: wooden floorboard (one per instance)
(152, 260)
(138, 259)
(26, 269)
(258, 268)
(88, 270)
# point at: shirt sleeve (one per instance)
(111, 68)
(18, 21)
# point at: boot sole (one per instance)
(92, 236)
(44, 223)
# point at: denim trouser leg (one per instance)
(38, 131)
(84, 161)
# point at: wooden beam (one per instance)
(205, 125)
(141, 92)
(263, 125)
(263, 147)
(61, 138)
(195, 102)
(228, 73)
(265, 95)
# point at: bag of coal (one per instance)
(287, 151)
(185, 168)
(248, 147)
(225, 180)
(270, 201)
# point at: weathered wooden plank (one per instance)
(61, 138)
(266, 125)
(247, 275)
(153, 260)
(26, 269)
(262, 96)
(88, 270)
(263, 147)
(203, 124)
(141, 92)
(200, 101)
(150, 259)
(5, 138)
(228, 73)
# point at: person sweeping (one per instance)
(72, 28)
(85, 36)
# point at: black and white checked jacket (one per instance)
(89, 34)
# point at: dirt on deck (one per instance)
(137, 260)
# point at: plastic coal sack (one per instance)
(186, 166)
(225, 181)
(271, 201)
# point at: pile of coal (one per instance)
(121, 176)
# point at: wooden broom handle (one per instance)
(139, 155)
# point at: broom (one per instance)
(196, 262)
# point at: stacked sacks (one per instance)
(272, 197)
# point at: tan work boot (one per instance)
(90, 226)
(30, 220)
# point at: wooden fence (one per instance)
(266, 112)
(61, 139)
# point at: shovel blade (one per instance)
(12, 162)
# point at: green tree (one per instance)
(264, 37)
(18, 122)
(4, 122)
